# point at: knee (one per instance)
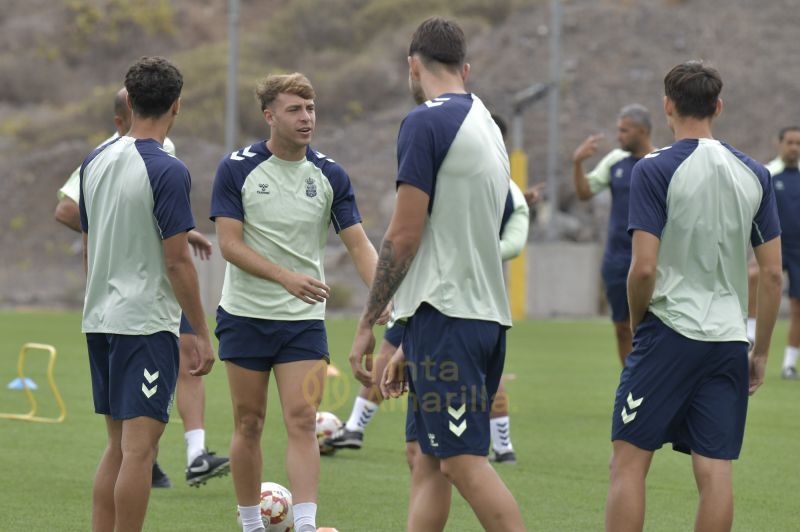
(138, 451)
(250, 424)
(300, 421)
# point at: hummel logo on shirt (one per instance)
(264, 188)
(436, 102)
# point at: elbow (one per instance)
(643, 273)
(174, 265)
(773, 275)
(225, 250)
(403, 244)
(62, 214)
(511, 252)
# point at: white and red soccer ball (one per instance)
(327, 425)
(276, 508)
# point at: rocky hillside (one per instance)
(61, 62)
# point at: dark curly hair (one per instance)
(153, 85)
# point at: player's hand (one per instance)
(361, 353)
(386, 315)
(204, 356)
(534, 194)
(758, 365)
(200, 245)
(587, 148)
(393, 381)
(304, 287)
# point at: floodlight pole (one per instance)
(517, 277)
(554, 103)
(233, 67)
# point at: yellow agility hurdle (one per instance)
(31, 416)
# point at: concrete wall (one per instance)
(564, 280)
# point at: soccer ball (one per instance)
(327, 425)
(276, 508)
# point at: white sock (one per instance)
(251, 518)
(501, 434)
(305, 516)
(195, 444)
(790, 357)
(751, 329)
(361, 414)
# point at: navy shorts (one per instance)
(185, 327)
(394, 335)
(690, 393)
(453, 367)
(791, 263)
(259, 344)
(133, 376)
(615, 279)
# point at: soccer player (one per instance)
(513, 236)
(695, 206)
(440, 259)
(614, 172)
(786, 182)
(201, 463)
(272, 203)
(135, 215)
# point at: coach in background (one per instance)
(614, 172)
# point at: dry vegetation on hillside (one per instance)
(60, 63)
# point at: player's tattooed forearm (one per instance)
(389, 274)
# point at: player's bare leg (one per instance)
(431, 492)
(626, 491)
(139, 438)
(300, 385)
(622, 330)
(412, 451)
(249, 398)
(106, 477)
(191, 395)
(487, 495)
(715, 485)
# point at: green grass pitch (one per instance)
(561, 399)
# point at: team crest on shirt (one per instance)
(311, 187)
(778, 184)
(264, 188)
(618, 173)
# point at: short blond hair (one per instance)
(270, 87)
